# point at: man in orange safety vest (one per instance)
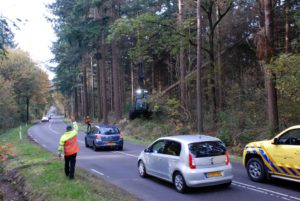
(68, 143)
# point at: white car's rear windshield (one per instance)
(207, 149)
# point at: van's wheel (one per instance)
(256, 170)
(179, 183)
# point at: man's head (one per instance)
(69, 128)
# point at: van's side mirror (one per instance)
(147, 150)
(275, 141)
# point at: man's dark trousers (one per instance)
(70, 162)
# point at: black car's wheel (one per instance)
(94, 147)
(142, 169)
(86, 144)
(120, 148)
(179, 183)
(256, 170)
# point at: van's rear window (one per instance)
(207, 149)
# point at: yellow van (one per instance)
(278, 157)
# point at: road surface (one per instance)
(120, 168)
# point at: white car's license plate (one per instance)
(214, 174)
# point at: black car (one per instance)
(104, 136)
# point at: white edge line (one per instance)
(97, 172)
(284, 196)
(44, 145)
(82, 142)
(262, 189)
(295, 198)
(119, 152)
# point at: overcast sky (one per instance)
(36, 34)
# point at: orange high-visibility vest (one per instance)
(71, 146)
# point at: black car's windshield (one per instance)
(109, 131)
(207, 149)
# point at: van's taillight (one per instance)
(98, 136)
(192, 162)
(227, 161)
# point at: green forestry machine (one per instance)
(140, 105)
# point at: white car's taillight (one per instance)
(192, 162)
(227, 161)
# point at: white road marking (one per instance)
(80, 141)
(97, 172)
(295, 198)
(264, 191)
(119, 152)
(44, 145)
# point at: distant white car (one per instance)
(187, 161)
(45, 119)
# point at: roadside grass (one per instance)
(44, 175)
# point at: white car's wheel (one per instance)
(179, 183)
(142, 169)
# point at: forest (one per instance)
(225, 67)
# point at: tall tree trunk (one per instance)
(181, 58)
(76, 103)
(99, 102)
(85, 92)
(27, 109)
(208, 9)
(212, 76)
(103, 94)
(220, 72)
(116, 66)
(199, 95)
(132, 82)
(269, 76)
(92, 88)
(287, 26)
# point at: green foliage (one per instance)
(78, 34)
(225, 136)
(6, 36)
(286, 68)
(169, 108)
(173, 108)
(8, 106)
(153, 34)
(144, 132)
(297, 18)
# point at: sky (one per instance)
(36, 34)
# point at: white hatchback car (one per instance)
(187, 161)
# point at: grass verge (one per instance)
(44, 177)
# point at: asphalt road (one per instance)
(120, 168)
